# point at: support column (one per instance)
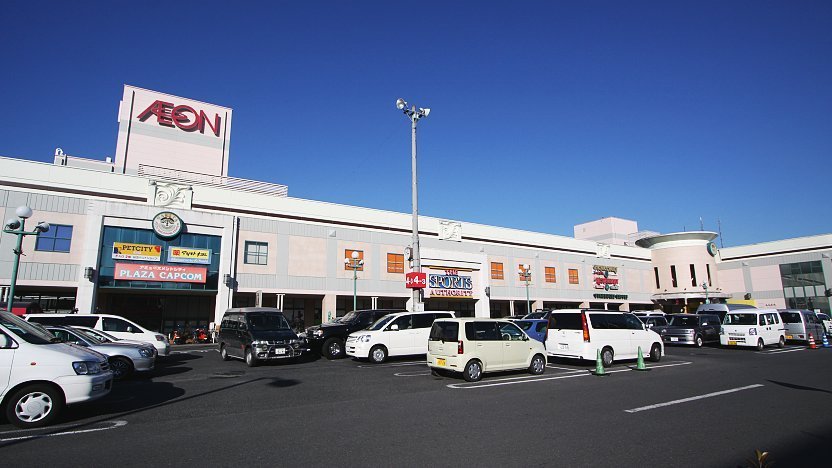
(374, 302)
(511, 308)
(329, 307)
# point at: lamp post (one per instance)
(414, 115)
(355, 263)
(18, 228)
(526, 273)
(705, 286)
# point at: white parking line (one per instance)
(537, 378)
(780, 351)
(410, 374)
(382, 366)
(561, 368)
(110, 425)
(685, 400)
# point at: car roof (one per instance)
(245, 310)
(473, 319)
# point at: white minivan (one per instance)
(582, 333)
(752, 327)
(119, 327)
(39, 376)
(400, 334)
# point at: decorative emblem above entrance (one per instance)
(167, 225)
(170, 195)
(450, 230)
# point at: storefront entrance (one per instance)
(462, 308)
(161, 312)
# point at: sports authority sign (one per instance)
(605, 277)
(160, 273)
(158, 130)
(451, 283)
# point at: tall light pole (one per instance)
(355, 263)
(526, 273)
(17, 227)
(414, 115)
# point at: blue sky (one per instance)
(544, 114)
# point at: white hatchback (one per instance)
(474, 346)
(753, 328)
(401, 334)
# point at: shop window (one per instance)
(573, 276)
(348, 255)
(550, 275)
(673, 276)
(257, 253)
(656, 272)
(395, 263)
(56, 239)
(497, 271)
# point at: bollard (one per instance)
(599, 366)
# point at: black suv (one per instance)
(257, 334)
(695, 329)
(328, 338)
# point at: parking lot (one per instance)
(697, 407)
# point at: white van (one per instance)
(38, 377)
(400, 334)
(752, 327)
(581, 333)
(119, 327)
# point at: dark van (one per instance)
(257, 334)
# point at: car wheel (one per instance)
(607, 356)
(251, 360)
(224, 353)
(698, 341)
(760, 344)
(656, 352)
(333, 348)
(473, 371)
(34, 406)
(378, 354)
(538, 365)
(782, 342)
(121, 367)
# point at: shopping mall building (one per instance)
(162, 235)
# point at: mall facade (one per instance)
(161, 234)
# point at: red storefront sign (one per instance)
(161, 273)
(416, 280)
(185, 117)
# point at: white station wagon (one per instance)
(400, 334)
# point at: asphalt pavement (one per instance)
(697, 407)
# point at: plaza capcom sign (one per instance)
(160, 273)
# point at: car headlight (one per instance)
(260, 344)
(145, 352)
(364, 338)
(721, 331)
(318, 332)
(752, 331)
(86, 367)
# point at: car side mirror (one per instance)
(129, 329)
(394, 327)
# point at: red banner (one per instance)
(414, 280)
(162, 273)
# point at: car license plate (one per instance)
(673, 338)
(563, 346)
(280, 351)
(732, 343)
(788, 337)
(440, 362)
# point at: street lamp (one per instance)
(17, 227)
(526, 273)
(414, 115)
(355, 263)
(705, 286)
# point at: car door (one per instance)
(707, 327)
(515, 346)
(421, 329)
(7, 350)
(639, 336)
(399, 336)
(232, 342)
(488, 345)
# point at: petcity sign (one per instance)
(605, 277)
(451, 284)
(183, 255)
(181, 116)
(160, 273)
(143, 252)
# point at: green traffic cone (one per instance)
(640, 363)
(599, 366)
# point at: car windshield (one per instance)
(790, 317)
(25, 330)
(350, 317)
(267, 322)
(679, 321)
(104, 337)
(380, 323)
(89, 336)
(740, 319)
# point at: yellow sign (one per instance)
(184, 255)
(145, 252)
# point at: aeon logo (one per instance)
(184, 117)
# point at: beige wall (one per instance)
(76, 246)
(766, 278)
(307, 256)
(732, 281)
(682, 257)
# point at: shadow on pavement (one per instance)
(799, 387)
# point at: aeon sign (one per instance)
(184, 117)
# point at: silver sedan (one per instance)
(125, 358)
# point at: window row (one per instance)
(549, 273)
(674, 281)
(257, 253)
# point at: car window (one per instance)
(510, 332)
(6, 342)
(633, 323)
(540, 327)
(565, 321)
(440, 315)
(266, 321)
(67, 337)
(423, 320)
(740, 319)
(381, 323)
(603, 321)
(119, 325)
(482, 331)
(405, 322)
(444, 331)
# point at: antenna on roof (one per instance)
(719, 228)
(701, 225)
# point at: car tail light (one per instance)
(585, 327)
(459, 348)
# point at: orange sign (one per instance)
(161, 273)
